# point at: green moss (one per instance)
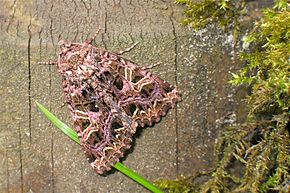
(268, 65)
(224, 12)
(175, 186)
(259, 147)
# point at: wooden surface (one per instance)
(36, 157)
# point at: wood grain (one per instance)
(36, 157)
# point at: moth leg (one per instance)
(61, 106)
(94, 36)
(151, 66)
(128, 49)
(48, 63)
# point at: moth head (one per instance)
(64, 46)
(68, 52)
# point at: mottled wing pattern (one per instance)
(109, 97)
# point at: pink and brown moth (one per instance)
(109, 97)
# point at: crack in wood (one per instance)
(20, 158)
(29, 79)
(176, 82)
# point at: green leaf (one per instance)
(73, 135)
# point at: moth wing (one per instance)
(104, 138)
(144, 96)
(104, 135)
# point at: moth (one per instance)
(109, 98)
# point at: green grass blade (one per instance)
(130, 173)
(73, 135)
(58, 123)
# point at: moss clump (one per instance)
(253, 156)
(224, 12)
(180, 185)
(268, 65)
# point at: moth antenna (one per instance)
(48, 63)
(94, 36)
(151, 66)
(127, 49)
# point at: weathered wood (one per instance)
(36, 157)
